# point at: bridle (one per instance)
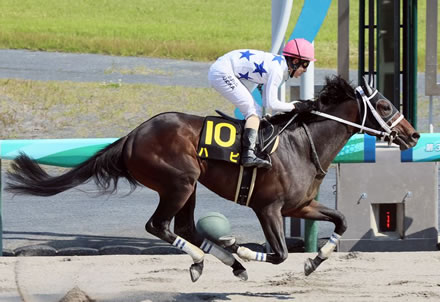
(383, 123)
(365, 105)
(363, 99)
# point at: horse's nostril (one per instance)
(416, 135)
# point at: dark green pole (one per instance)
(361, 58)
(311, 234)
(413, 54)
(388, 50)
(410, 61)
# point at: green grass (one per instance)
(34, 109)
(199, 30)
(31, 109)
(191, 29)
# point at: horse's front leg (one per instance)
(316, 211)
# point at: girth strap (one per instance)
(245, 185)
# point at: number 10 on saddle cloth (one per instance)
(220, 139)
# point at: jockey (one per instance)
(260, 67)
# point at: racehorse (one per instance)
(161, 155)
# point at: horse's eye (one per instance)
(384, 108)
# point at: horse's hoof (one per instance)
(226, 241)
(195, 271)
(309, 267)
(241, 274)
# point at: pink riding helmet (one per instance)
(300, 48)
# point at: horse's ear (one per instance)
(367, 85)
(370, 84)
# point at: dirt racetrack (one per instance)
(347, 277)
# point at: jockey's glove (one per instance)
(304, 106)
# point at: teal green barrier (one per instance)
(360, 148)
(1, 212)
(426, 150)
(55, 152)
(71, 152)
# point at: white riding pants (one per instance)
(223, 80)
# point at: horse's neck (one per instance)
(329, 137)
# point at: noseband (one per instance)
(367, 106)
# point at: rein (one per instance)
(388, 130)
(281, 131)
(315, 156)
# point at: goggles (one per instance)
(304, 64)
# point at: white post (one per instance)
(280, 19)
(431, 124)
(281, 10)
(282, 89)
(307, 90)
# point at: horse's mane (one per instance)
(335, 91)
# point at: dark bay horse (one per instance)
(161, 154)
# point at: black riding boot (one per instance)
(248, 157)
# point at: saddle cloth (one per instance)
(221, 140)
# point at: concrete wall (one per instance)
(412, 187)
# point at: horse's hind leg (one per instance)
(184, 226)
(272, 224)
(184, 221)
(316, 211)
(171, 202)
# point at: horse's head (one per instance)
(378, 113)
(366, 110)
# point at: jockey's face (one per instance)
(298, 67)
(302, 67)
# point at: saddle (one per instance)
(221, 140)
(266, 132)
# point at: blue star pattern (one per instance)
(246, 54)
(259, 68)
(244, 76)
(279, 59)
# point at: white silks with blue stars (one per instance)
(256, 66)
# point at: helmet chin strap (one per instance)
(293, 68)
(292, 72)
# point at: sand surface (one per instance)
(344, 277)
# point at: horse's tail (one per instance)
(105, 167)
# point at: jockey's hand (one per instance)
(304, 106)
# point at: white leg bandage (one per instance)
(329, 247)
(218, 252)
(196, 254)
(247, 254)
